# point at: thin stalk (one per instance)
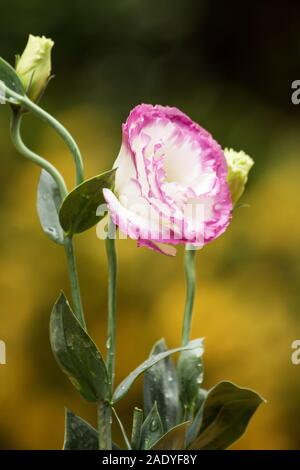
(112, 284)
(105, 410)
(126, 440)
(15, 133)
(104, 425)
(190, 275)
(57, 126)
(68, 243)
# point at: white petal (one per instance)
(125, 169)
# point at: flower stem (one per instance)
(68, 243)
(104, 425)
(57, 126)
(190, 275)
(34, 157)
(105, 410)
(112, 281)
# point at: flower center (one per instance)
(182, 163)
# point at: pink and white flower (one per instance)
(170, 183)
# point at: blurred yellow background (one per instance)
(220, 67)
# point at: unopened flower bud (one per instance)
(239, 165)
(34, 66)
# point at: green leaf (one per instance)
(79, 209)
(174, 439)
(137, 422)
(125, 385)
(10, 78)
(194, 428)
(76, 353)
(48, 204)
(152, 429)
(226, 413)
(190, 376)
(79, 435)
(202, 394)
(160, 386)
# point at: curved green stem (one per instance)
(190, 274)
(57, 126)
(16, 138)
(68, 244)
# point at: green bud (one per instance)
(34, 66)
(239, 165)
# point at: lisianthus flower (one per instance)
(171, 184)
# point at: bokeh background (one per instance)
(230, 67)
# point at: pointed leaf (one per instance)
(48, 204)
(76, 353)
(174, 439)
(194, 429)
(136, 428)
(152, 429)
(160, 386)
(79, 435)
(226, 413)
(10, 78)
(79, 209)
(190, 376)
(125, 385)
